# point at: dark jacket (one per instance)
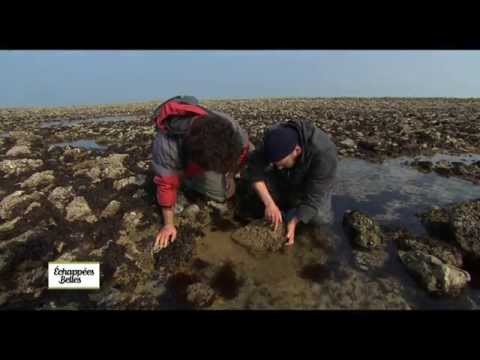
(312, 175)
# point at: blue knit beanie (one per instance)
(279, 142)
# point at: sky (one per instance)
(63, 78)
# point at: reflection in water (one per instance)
(315, 274)
(88, 144)
(68, 123)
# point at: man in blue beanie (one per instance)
(293, 174)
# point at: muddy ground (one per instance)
(77, 185)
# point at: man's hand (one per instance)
(273, 215)
(168, 233)
(292, 224)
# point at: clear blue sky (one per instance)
(57, 78)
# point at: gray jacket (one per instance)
(312, 175)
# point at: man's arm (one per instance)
(272, 212)
(168, 232)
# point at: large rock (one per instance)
(19, 166)
(111, 167)
(363, 230)
(433, 274)
(259, 237)
(446, 252)
(121, 184)
(60, 196)
(39, 179)
(459, 224)
(465, 225)
(79, 210)
(15, 202)
(19, 150)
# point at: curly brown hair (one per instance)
(213, 144)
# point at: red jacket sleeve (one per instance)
(167, 187)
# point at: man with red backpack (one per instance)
(192, 142)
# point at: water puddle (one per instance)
(393, 193)
(306, 276)
(88, 144)
(466, 159)
(69, 123)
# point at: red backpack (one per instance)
(185, 107)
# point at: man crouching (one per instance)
(293, 173)
(202, 148)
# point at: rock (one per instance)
(180, 251)
(191, 212)
(73, 154)
(221, 208)
(368, 144)
(99, 254)
(150, 290)
(32, 283)
(459, 224)
(447, 253)
(203, 218)
(424, 166)
(140, 194)
(436, 222)
(144, 165)
(111, 210)
(348, 143)
(138, 180)
(258, 237)
(110, 298)
(371, 260)
(363, 231)
(19, 166)
(32, 206)
(22, 246)
(200, 295)
(9, 225)
(94, 173)
(465, 225)
(111, 167)
(132, 219)
(24, 137)
(60, 196)
(181, 203)
(4, 297)
(15, 202)
(442, 167)
(433, 274)
(19, 150)
(73, 255)
(39, 179)
(79, 210)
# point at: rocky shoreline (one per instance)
(64, 202)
